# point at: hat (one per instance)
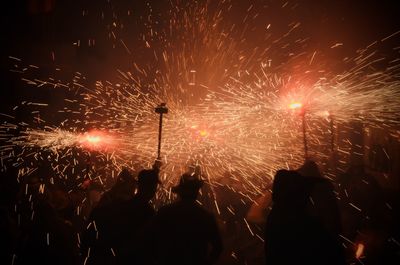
(188, 182)
(148, 177)
(309, 169)
(124, 176)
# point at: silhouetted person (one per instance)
(49, 239)
(99, 241)
(8, 217)
(185, 233)
(137, 213)
(293, 236)
(323, 206)
(366, 217)
(121, 191)
(233, 206)
(92, 197)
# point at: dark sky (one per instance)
(37, 30)
(354, 22)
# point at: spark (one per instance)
(359, 250)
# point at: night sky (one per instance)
(35, 34)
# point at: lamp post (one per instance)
(160, 109)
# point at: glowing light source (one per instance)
(93, 139)
(295, 105)
(203, 133)
(96, 139)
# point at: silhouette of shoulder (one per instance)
(137, 211)
(186, 213)
(184, 231)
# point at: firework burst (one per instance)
(232, 109)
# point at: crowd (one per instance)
(301, 219)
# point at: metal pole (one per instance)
(333, 153)
(159, 137)
(303, 114)
(332, 134)
(160, 109)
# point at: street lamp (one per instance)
(160, 109)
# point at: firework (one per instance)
(232, 108)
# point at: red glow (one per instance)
(96, 140)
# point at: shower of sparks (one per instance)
(230, 104)
(55, 139)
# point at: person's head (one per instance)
(94, 192)
(125, 184)
(188, 187)
(58, 199)
(9, 185)
(310, 169)
(43, 170)
(147, 183)
(289, 188)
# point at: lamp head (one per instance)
(162, 108)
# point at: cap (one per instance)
(188, 182)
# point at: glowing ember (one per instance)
(359, 250)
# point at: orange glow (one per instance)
(295, 105)
(360, 250)
(203, 133)
(96, 140)
(93, 139)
